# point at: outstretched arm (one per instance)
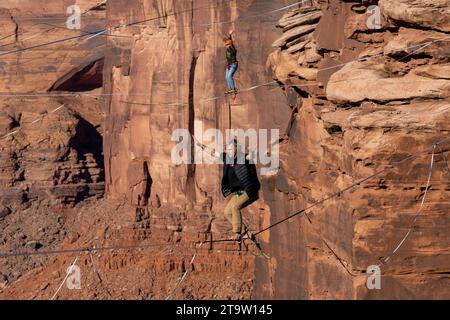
(230, 35)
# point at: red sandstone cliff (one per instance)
(349, 99)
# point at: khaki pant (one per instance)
(233, 211)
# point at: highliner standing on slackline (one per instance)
(232, 64)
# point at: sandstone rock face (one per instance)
(382, 101)
(139, 125)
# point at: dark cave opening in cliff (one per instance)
(85, 77)
(88, 142)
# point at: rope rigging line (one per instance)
(338, 258)
(95, 269)
(69, 271)
(27, 18)
(30, 37)
(3, 38)
(383, 261)
(41, 45)
(55, 17)
(63, 105)
(32, 122)
(191, 264)
(12, 95)
(386, 259)
(77, 94)
(419, 211)
(99, 277)
(20, 62)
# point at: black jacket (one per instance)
(248, 177)
(231, 53)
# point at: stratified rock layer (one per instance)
(51, 143)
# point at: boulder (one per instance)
(4, 212)
(418, 42)
(299, 20)
(359, 81)
(297, 47)
(433, 14)
(311, 53)
(284, 65)
(294, 33)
